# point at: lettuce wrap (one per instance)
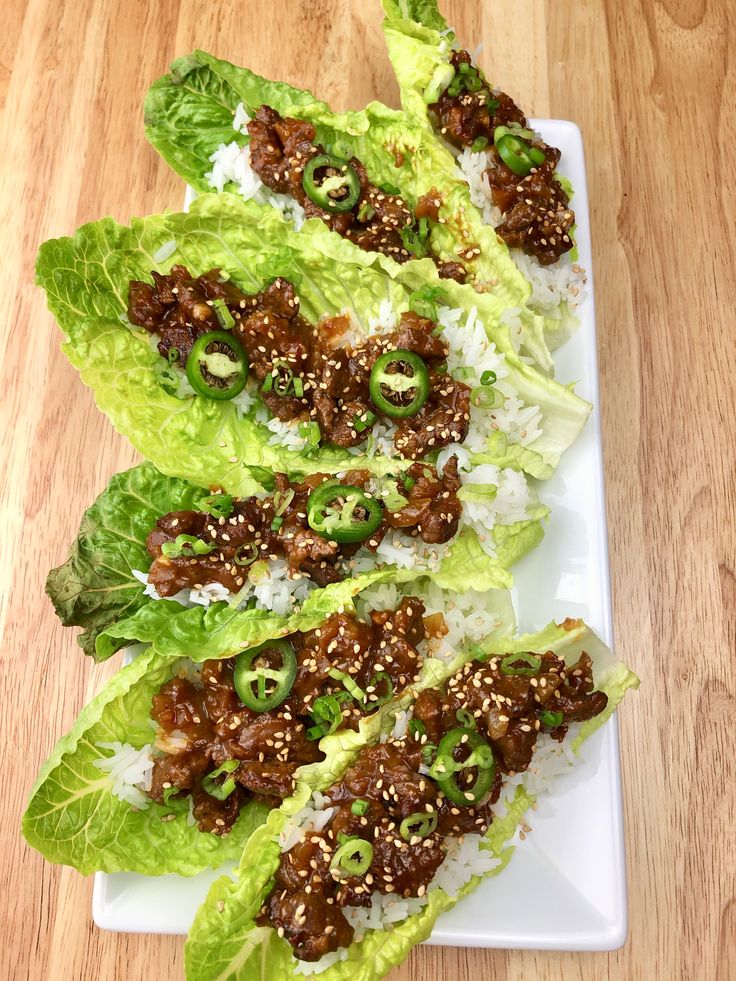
(224, 941)
(420, 44)
(195, 119)
(230, 443)
(95, 816)
(102, 585)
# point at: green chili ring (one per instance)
(445, 769)
(346, 179)
(521, 664)
(343, 513)
(345, 856)
(399, 383)
(418, 825)
(518, 154)
(246, 676)
(217, 366)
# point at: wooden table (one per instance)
(648, 84)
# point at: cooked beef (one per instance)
(203, 723)
(379, 221)
(431, 513)
(536, 213)
(333, 379)
(310, 888)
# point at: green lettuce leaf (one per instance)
(419, 44)
(221, 631)
(225, 944)
(86, 280)
(189, 114)
(74, 818)
(96, 587)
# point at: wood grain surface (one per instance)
(652, 86)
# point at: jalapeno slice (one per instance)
(217, 366)
(446, 769)
(519, 155)
(399, 384)
(259, 685)
(342, 513)
(354, 856)
(331, 183)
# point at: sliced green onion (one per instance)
(186, 545)
(418, 825)
(480, 143)
(378, 678)
(364, 421)
(282, 499)
(310, 431)
(276, 523)
(267, 382)
(220, 791)
(551, 719)
(218, 505)
(488, 378)
(223, 314)
(354, 856)
(487, 398)
(173, 355)
(521, 664)
(327, 711)
(351, 686)
(246, 554)
(298, 387)
(465, 718)
(429, 751)
(417, 728)
(365, 211)
(359, 807)
(169, 792)
(316, 732)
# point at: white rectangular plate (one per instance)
(565, 888)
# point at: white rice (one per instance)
(465, 615)
(286, 434)
(558, 289)
(130, 771)
(231, 164)
(466, 857)
(312, 817)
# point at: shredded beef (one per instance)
(536, 213)
(431, 513)
(279, 342)
(280, 148)
(202, 723)
(310, 889)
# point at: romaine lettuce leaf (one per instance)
(189, 114)
(86, 280)
(225, 943)
(419, 43)
(74, 818)
(221, 631)
(96, 587)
